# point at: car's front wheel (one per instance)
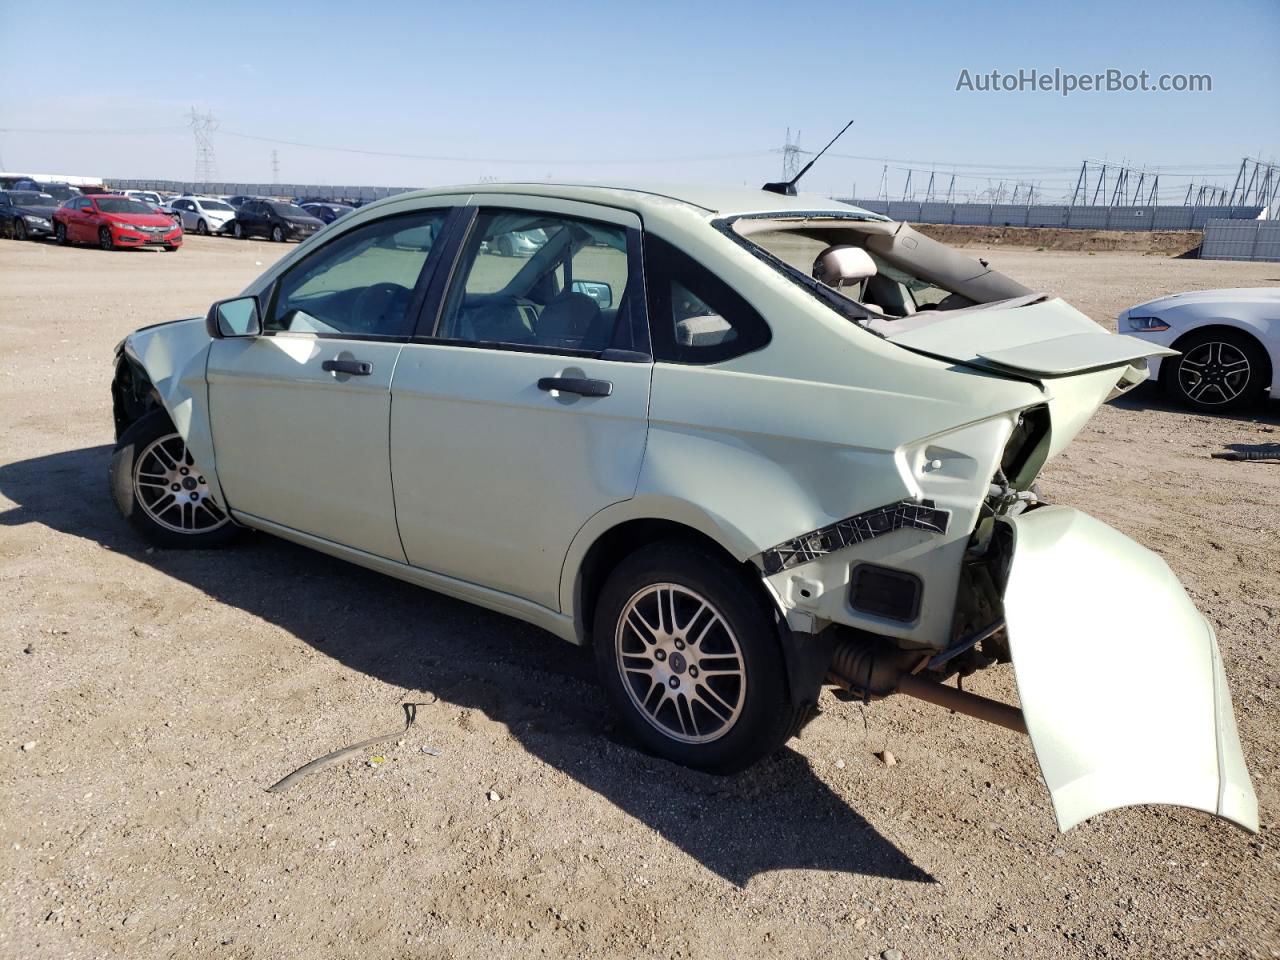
(104, 239)
(19, 228)
(161, 490)
(690, 658)
(1217, 371)
(60, 233)
(202, 228)
(238, 231)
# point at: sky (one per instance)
(627, 92)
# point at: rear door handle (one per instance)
(357, 368)
(579, 385)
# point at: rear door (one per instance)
(523, 409)
(299, 414)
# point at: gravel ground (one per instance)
(148, 698)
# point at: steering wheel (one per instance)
(379, 308)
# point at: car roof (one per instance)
(711, 199)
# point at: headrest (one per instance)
(568, 316)
(843, 265)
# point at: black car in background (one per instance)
(275, 219)
(61, 192)
(26, 214)
(239, 200)
(327, 212)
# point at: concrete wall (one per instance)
(1074, 218)
(1236, 240)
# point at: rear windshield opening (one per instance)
(903, 273)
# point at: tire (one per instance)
(60, 233)
(505, 249)
(104, 239)
(169, 248)
(1219, 370)
(146, 464)
(19, 229)
(742, 719)
(277, 235)
(238, 231)
(202, 228)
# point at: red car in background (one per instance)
(113, 222)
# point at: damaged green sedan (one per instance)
(743, 445)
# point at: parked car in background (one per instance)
(274, 219)
(113, 222)
(146, 196)
(26, 215)
(1228, 343)
(784, 443)
(61, 192)
(327, 212)
(204, 215)
(239, 200)
(516, 243)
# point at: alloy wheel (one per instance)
(171, 490)
(104, 239)
(202, 228)
(681, 663)
(277, 234)
(19, 229)
(1214, 373)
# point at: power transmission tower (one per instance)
(275, 167)
(202, 127)
(791, 156)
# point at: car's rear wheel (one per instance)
(277, 235)
(19, 228)
(60, 233)
(1217, 371)
(104, 239)
(505, 247)
(161, 490)
(691, 660)
(202, 228)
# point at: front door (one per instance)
(300, 414)
(524, 411)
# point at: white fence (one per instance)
(1066, 217)
(1235, 240)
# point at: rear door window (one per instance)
(545, 282)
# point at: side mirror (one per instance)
(597, 290)
(234, 318)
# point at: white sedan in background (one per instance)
(203, 215)
(1229, 342)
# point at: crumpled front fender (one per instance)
(174, 357)
(1119, 675)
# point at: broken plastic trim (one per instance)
(843, 533)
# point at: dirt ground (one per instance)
(1172, 243)
(148, 698)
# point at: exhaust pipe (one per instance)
(873, 671)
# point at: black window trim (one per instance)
(430, 319)
(421, 289)
(710, 359)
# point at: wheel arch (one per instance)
(617, 531)
(1240, 328)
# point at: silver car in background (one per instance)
(203, 215)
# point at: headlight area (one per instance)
(894, 570)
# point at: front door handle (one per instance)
(357, 368)
(579, 385)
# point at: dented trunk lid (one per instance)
(1033, 336)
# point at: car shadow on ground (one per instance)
(1151, 396)
(778, 815)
